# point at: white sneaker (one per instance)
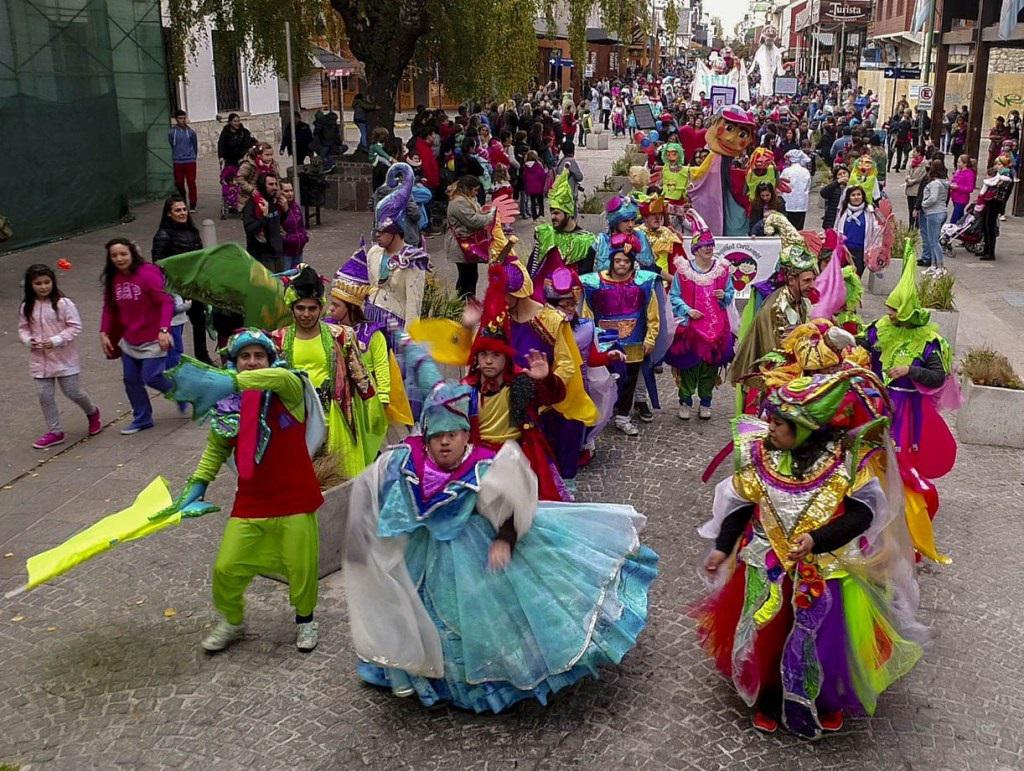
(704, 413)
(222, 636)
(625, 425)
(307, 636)
(685, 411)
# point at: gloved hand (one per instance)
(200, 385)
(189, 502)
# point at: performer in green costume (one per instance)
(562, 242)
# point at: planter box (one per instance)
(948, 323)
(349, 187)
(993, 416)
(597, 141)
(595, 223)
(620, 183)
(604, 196)
(332, 519)
(890, 276)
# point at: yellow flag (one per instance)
(920, 527)
(127, 525)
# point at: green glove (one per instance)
(200, 385)
(189, 502)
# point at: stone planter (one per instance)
(620, 183)
(604, 196)
(948, 323)
(597, 142)
(594, 223)
(332, 519)
(887, 282)
(349, 187)
(993, 416)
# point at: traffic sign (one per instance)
(902, 73)
(925, 97)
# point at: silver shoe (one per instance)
(307, 636)
(222, 636)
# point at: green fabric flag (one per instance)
(126, 525)
(904, 298)
(227, 277)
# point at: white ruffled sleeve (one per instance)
(389, 624)
(509, 489)
(727, 500)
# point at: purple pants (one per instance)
(139, 373)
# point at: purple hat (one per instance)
(702, 239)
(736, 114)
(352, 281)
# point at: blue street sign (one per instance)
(902, 73)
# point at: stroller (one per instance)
(969, 233)
(228, 192)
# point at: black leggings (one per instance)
(990, 223)
(469, 272)
(197, 316)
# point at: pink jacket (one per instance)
(964, 179)
(141, 306)
(535, 176)
(60, 327)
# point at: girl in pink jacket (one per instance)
(48, 323)
(961, 186)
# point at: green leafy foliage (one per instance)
(903, 232)
(440, 301)
(986, 367)
(936, 292)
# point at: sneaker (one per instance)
(134, 428)
(704, 413)
(95, 423)
(765, 723)
(1002, 218)
(222, 636)
(49, 439)
(685, 411)
(644, 412)
(307, 636)
(987, 257)
(625, 425)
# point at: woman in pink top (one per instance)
(961, 186)
(48, 324)
(136, 326)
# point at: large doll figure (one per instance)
(768, 61)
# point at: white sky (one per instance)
(729, 11)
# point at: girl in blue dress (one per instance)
(463, 589)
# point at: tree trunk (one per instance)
(383, 36)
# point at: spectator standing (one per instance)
(261, 218)
(361, 107)
(304, 137)
(832, 193)
(293, 227)
(917, 171)
(534, 181)
(184, 155)
(933, 215)
(961, 186)
(234, 142)
(799, 180)
(466, 220)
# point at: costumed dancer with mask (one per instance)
(622, 213)
(269, 419)
(463, 589)
(349, 290)
(763, 328)
(329, 355)
(914, 360)
(816, 618)
(575, 441)
(665, 242)
(562, 242)
(702, 302)
(398, 271)
(630, 303)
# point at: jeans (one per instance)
(177, 346)
(48, 399)
(139, 373)
(197, 317)
(363, 142)
(930, 227)
(536, 206)
(958, 213)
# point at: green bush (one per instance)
(620, 168)
(937, 292)
(440, 301)
(591, 205)
(903, 232)
(986, 367)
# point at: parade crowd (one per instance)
(472, 574)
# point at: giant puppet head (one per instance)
(761, 160)
(731, 131)
(716, 63)
(770, 37)
(728, 58)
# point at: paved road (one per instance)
(102, 668)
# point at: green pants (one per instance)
(289, 546)
(700, 380)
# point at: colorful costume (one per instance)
(571, 247)
(270, 422)
(926, 448)
(633, 308)
(701, 346)
(821, 635)
(760, 168)
(675, 177)
(398, 278)
(618, 210)
(427, 616)
(665, 242)
(865, 176)
(356, 422)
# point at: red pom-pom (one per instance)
(64, 264)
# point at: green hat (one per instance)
(904, 298)
(810, 403)
(797, 259)
(560, 195)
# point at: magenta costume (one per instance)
(709, 339)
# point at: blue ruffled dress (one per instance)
(572, 599)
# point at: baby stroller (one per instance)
(228, 191)
(968, 233)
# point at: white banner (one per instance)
(753, 259)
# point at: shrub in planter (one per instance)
(938, 295)
(993, 409)
(591, 205)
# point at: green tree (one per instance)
(671, 21)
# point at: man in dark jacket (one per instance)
(304, 135)
(261, 218)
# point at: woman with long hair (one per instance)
(961, 186)
(857, 221)
(465, 219)
(933, 214)
(136, 326)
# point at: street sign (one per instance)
(833, 74)
(925, 97)
(823, 77)
(902, 73)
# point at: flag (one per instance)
(922, 12)
(1008, 17)
(129, 524)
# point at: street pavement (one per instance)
(102, 667)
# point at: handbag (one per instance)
(476, 247)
